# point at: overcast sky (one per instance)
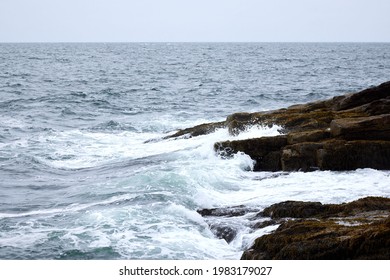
(194, 20)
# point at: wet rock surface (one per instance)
(355, 230)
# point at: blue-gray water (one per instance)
(78, 180)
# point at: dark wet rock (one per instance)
(301, 209)
(263, 224)
(294, 209)
(225, 222)
(350, 155)
(225, 212)
(302, 157)
(198, 130)
(225, 232)
(238, 122)
(311, 230)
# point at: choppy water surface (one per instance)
(80, 180)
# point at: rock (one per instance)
(378, 107)
(224, 232)
(308, 136)
(366, 204)
(198, 130)
(223, 222)
(371, 128)
(302, 157)
(294, 209)
(363, 97)
(239, 122)
(350, 155)
(355, 230)
(300, 209)
(225, 212)
(264, 224)
(323, 240)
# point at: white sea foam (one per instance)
(12, 122)
(325, 186)
(21, 239)
(255, 131)
(80, 149)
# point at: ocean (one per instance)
(85, 170)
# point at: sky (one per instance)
(194, 21)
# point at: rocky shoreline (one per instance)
(343, 133)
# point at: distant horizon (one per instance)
(194, 42)
(176, 21)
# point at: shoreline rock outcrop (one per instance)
(310, 230)
(342, 133)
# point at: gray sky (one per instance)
(194, 20)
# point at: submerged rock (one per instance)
(311, 230)
(222, 221)
(225, 212)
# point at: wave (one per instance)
(69, 208)
(114, 126)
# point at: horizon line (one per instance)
(179, 42)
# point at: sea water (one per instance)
(85, 170)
